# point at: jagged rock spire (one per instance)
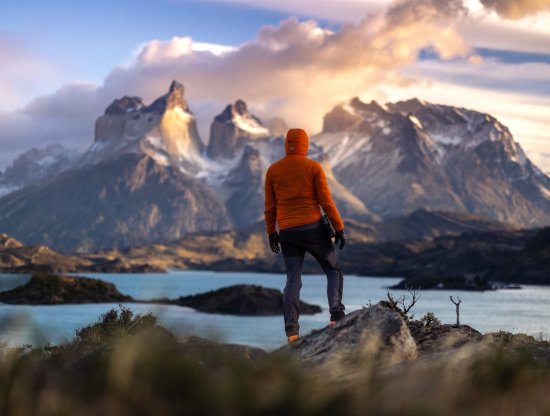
(174, 98)
(232, 128)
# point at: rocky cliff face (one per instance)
(400, 157)
(232, 130)
(166, 131)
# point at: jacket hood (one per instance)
(297, 142)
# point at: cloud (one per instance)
(486, 32)
(297, 70)
(298, 65)
(528, 78)
(516, 9)
(21, 71)
(333, 11)
(480, 30)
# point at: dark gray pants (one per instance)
(295, 242)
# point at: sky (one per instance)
(64, 62)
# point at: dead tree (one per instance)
(457, 304)
(403, 305)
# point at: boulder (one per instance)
(242, 300)
(372, 335)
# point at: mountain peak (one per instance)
(233, 111)
(124, 105)
(176, 86)
(410, 106)
(240, 107)
(232, 128)
(372, 107)
(174, 98)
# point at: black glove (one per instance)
(274, 242)
(341, 237)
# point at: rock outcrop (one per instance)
(51, 289)
(374, 334)
(245, 300)
(438, 338)
(232, 130)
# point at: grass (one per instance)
(126, 364)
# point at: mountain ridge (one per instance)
(401, 157)
(148, 177)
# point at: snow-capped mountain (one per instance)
(401, 157)
(35, 165)
(148, 177)
(240, 150)
(232, 130)
(136, 184)
(166, 130)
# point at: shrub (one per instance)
(114, 324)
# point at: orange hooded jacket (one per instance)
(296, 186)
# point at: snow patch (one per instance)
(544, 191)
(416, 121)
(386, 130)
(446, 139)
(98, 146)
(160, 159)
(8, 189)
(47, 161)
(249, 125)
(156, 142)
(344, 149)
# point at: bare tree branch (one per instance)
(457, 304)
(402, 304)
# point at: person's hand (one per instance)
(274, 242)
(340, 237)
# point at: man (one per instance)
(295, 189)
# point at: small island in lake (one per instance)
(54, 289)
(243, 299)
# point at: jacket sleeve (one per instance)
(270, 211)
(325, 198)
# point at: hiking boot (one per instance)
(336, 316)
(293, 338)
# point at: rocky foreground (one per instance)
(372, 362)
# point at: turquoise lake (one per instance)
(526, 310)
